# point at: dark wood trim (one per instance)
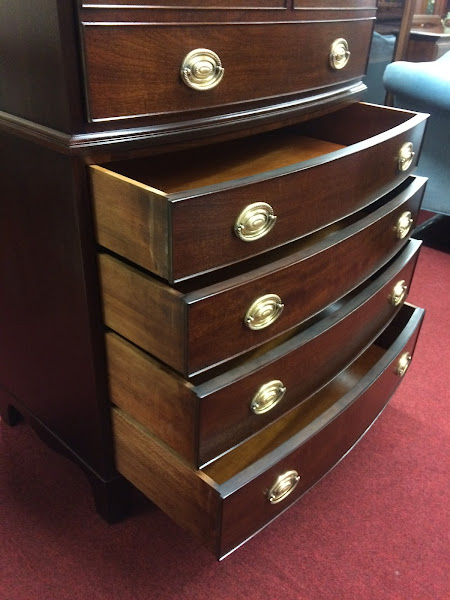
(89, 144)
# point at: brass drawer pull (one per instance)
(263, 312)
(339, 54)
(404, 224)
(267, 397)
(201, 69)
(405, 156)
(398, 293)
(283, 486)
(254, 222)
(403, 364)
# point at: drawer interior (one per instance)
(217, 164)
(264, 153)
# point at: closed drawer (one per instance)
(169, 69)
(228, 501)
(204, 418)
(186, 213)
(193, 329)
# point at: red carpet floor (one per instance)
(377, 528)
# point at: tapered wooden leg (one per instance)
(112, 498)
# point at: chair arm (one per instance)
(425, 84)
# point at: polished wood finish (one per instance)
(133, 69)
(225, 503)
(207, 325)
(204, 419)
(98, 84)
(174, 214)
(39, 66)
(427, 41)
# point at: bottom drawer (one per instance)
(231, 499)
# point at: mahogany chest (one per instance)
(206, 247)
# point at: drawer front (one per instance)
(194, 331)
(201, 422)
(247, 510)
(135, 69)
(226, 513)
(233, 413)
(303, 201)
(193, 232)
(218, 325)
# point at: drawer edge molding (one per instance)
(105, 138)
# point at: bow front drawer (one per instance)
(231, 499)
(171, 71)
(206, 417)
(206, 321)
(191, 212)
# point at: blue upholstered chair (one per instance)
(425, 87)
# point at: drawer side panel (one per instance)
(143, 310)
(187, 496)
(159, 400)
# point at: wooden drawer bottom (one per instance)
(231, 499)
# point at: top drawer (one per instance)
(190, 212)
(178, 70)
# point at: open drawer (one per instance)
(231, 499)
(202, 322)
(207, 416)
(189, 212)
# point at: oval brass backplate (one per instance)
(202, 69)
(267, 397)
(398, 293)
(404, 224)
(403, 364)
(254, 222)
(339, 54)
(263, 311)
(283, 486)
(405, 156)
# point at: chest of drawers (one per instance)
(207, 249)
